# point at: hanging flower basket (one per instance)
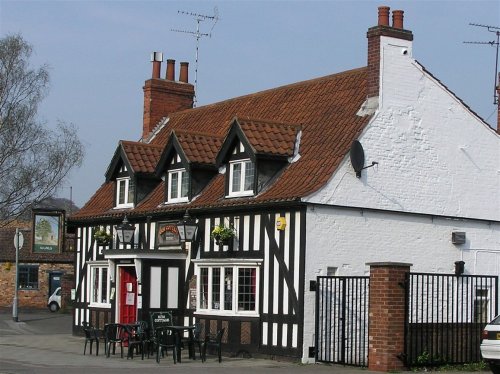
(222, 234)
(102, 237)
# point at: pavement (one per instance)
(41, 342)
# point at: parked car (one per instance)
(490, 344)
(54, 302)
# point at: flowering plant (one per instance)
(102, 237)
(222, 234)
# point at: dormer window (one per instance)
(241, 178)
(178, 186)
(125, 192)
(178, 181)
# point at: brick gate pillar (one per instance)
(386, 315)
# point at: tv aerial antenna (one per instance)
(493, 43)
(198, 35)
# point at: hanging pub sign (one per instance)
(47, 232)
(167, 234)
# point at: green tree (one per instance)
(34, 160)
(43, 228)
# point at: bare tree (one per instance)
(34, 160)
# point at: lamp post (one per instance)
(18, 244)
(125, 231)
(187, 228)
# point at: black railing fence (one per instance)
(445, 315)
(342, 320)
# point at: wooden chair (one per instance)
(213, 341)
(91, 336)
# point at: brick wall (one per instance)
(34, 298)
(162, 97)
(46, 262)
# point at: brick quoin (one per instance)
(387, 316)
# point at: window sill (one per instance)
(101, 305)
(177, 201)
(226, 313)
(240, 194)
(124, 206)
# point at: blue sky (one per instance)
(99, 51)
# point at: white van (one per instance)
(54, 302)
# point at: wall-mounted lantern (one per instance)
(187, 228)
(125, 231)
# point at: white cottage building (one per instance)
(377, 164)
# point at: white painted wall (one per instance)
(348, 238)
(434, 155)
(435, 159)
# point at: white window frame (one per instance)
(179, 199)
(92, 269)
(234, 290)
(126, 203)
(242, 191)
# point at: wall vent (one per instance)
(458, 237)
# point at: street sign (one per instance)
(18, 241)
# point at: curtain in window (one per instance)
(131, 191)
(174, 185)
(216, 288)
(121, 192)
(228, 288)
(236, 177)
(204, 288)
(184, 184)
(249, 175)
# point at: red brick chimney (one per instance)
(374, 33)
(183, 75)
(165, 96)
(171, 70)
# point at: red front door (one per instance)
(128, 295)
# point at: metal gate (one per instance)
(445, 316)
(342, 320)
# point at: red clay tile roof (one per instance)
(101, 202)
(199, 147)
(142, 157)
(325, 108)
(270, 138)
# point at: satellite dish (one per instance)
(357, 157)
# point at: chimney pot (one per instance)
(156, 59)
(170, 70)
(383, 15)
(183, 76)
(397, 19)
